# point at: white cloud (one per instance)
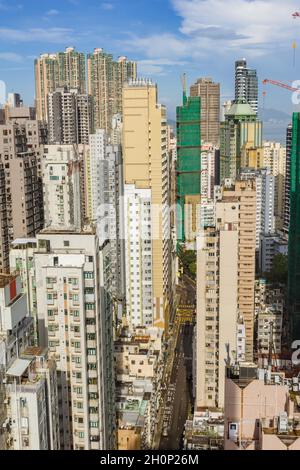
(234, 24)
(158, 46)
(107, 6)
(50, 35)
(11, 57)
(156, 67)
(234, 27)
(52, 12)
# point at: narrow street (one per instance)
(179, 393)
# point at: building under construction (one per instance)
(188, 166)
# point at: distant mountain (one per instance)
(275, 123)
(274, 115)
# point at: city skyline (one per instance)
(149, 262)
(166, 40)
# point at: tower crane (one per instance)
(280, 84)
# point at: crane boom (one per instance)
(280, 84)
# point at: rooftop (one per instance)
(240, 109)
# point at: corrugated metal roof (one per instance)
(18, 368)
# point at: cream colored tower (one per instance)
(57, 70)
(217, 303)
(245, 193)
(225, 291)
(146, 179)
(105, 83)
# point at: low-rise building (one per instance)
(261, 409)
(139, 369)
(205, 431)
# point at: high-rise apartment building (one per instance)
(240, 127)
(265, 200)
(208, 170)
(245, 193)
(287, 197)
(188, 166)
(294, 233)
(217, 303)
(32, 409)
(275, 160)
(271, 156)
(58, 70)
(14, 100)
(21, 214)
(70, 117)
(209, 93)
(225, 291)
(146, 211)
(21, 260)
(29, 405)
(75, 321)
(62, 186)
(104, 192)
(16, 333)
(106, 78)
(246, 84)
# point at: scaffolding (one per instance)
(188, 156)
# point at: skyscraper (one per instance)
(265, 200)
(209, 93)
(239, 128)
(188, 165)
(70, 117)
(58, 70)
(225, 291)
(20, 188)
(104, 190)
(146, 192)
(287, 196)
(245, 193)
(75, 321)
(246, 84)
(294, 233)
(106, 78)
(217, 303)
(62, 187)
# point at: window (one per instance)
(94, 424)
(66, 243)
(90, 306)
(91, 352)
(88, 275)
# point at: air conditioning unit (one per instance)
(283, 423)
(233, 431)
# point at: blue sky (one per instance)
(166, 37)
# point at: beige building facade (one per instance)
(209, 93)
(146, 190)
